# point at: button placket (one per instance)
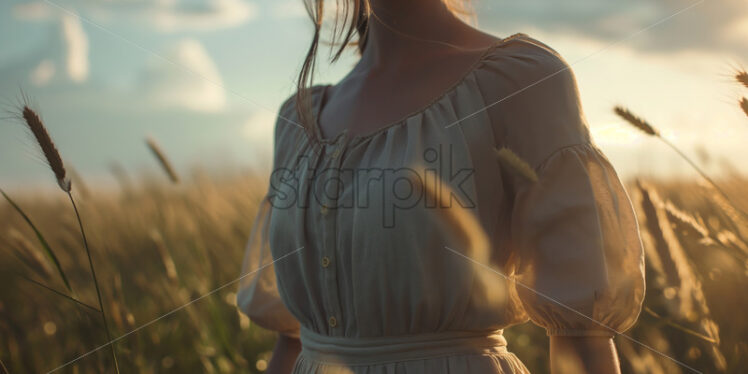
(329, 245)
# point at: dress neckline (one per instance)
(323, 95)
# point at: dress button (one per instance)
(323, 210)
(332, 321)
(325, 262)
(336, 153)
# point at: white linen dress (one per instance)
(351, 256)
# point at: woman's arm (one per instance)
(583, 354)
(284, 355)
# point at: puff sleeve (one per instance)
(581, 263)
(258, 295)
(581, 260)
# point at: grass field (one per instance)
(157, 246)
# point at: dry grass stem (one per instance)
(95, 280)
(510, 159)
(58, 293)
(465, 232)
(81, 186)
(2, 365)
(165, 254)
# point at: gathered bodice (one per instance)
(418, 229)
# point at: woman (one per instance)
(357, 269)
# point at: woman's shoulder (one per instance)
(288, 112)
(288, 127)
(522, 59)
(288, 123)
(532, 97)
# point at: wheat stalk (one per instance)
(35, 124)
(509, 158)
(645, 127)
(162, 159)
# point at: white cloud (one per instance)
(76, 43)
(163, 15)
(737, 31)
(173, 15)
(189, 79)
(666, 26)
(66, 58)
(259, 127)
(35, 11)
(258, 131)
(42, 73)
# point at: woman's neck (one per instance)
(399, 30)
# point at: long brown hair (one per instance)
(349, 29)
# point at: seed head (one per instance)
(162, 159)
(742, 77)
(35, 124)
(635, 121)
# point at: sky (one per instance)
(206, 77)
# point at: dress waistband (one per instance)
(377, 350)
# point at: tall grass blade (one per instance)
(58, 293)
(676, 326)
(47, 249)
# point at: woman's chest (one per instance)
(388, 191)
(385, 224)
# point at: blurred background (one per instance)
(206, 77)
